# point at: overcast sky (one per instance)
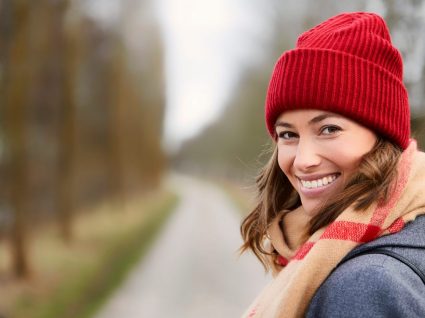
(206, 45)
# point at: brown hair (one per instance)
(370, 183)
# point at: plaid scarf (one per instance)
(300, 272)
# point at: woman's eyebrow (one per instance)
(312, 121)
(319, 118)
(283, 124)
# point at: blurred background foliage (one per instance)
(82, 110)
(80, 122)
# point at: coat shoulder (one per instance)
(371, 285)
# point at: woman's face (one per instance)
(318, 151)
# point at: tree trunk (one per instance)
(15, 123)
(65, 67)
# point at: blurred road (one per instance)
(193, 269)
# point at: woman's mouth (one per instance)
(314, 187)
(313, 184)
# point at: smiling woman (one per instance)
(344, 178)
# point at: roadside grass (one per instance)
(75, 280)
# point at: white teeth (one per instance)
(319, 182)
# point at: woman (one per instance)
(340, 214)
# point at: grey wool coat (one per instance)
(376, 285)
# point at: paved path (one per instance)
(192, 269)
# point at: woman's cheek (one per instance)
(285, 158)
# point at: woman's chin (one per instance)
(311, 207)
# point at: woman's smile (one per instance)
(314, 186)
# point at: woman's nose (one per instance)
(306, 156)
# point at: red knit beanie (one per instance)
(347, 65)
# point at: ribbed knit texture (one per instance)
(345, 65)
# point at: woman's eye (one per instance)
(287, 135)
(329, 130)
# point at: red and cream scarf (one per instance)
(302, 271)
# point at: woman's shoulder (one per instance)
(375, 284)
(370, 286)
(374, 274)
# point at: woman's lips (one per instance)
(313, 187)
